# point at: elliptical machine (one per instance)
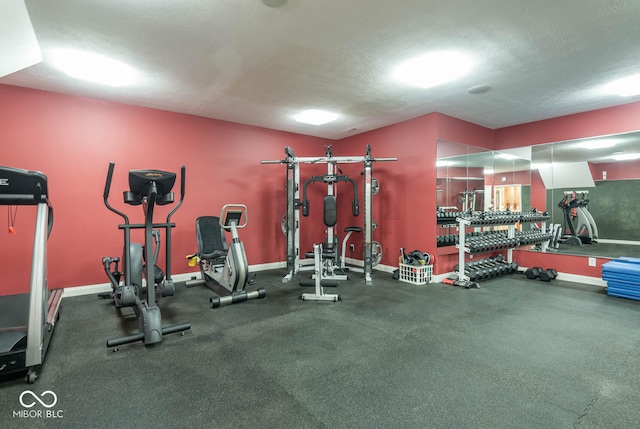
(148, 188)
(573, 239)
(220, 264)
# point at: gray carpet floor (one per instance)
(515, 353)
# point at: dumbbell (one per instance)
(472, 273)
(505, 267)
(548, 275)
(475, 270)
(492, 267)
(509, 267)
(538, 273)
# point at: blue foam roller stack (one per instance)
(623, 277)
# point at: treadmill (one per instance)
(27, 320)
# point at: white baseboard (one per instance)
(436, 278)
(106, 287)
(575, 278)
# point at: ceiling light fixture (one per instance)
(596, 144)
(315, 117)
(507, 156)
(626, 156)
(443, 163)
(488, 171)
(626, 87)
(433, 69)
(479, 89)
(93, 67)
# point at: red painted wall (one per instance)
(405, 208)
(615, 170)
(570, 264)
(538, 192)
(73, 139)
(613, 120)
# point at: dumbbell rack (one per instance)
(494, 219)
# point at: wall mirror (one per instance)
(475, 179)
(592, 185)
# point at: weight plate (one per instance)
(376, 253)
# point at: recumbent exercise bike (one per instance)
(224, 268)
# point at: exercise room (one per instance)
(319, 214)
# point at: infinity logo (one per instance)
(32, 403)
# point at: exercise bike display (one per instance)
(147, 188)
(222, 265)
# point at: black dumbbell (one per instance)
(510, 267)
(548, 275)
(493, 267)
(538, 273)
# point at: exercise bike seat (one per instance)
(212, 244)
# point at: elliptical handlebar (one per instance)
(183, 176)
(107, 190)
(107, 185)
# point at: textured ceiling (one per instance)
(245, 62)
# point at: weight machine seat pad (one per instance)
(211, 240)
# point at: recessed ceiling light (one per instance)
(433, 69)
(626, 87)
(597, 144)
(478, 89)
(93, 67)
(315, 117)
(626, 156)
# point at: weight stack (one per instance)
(623, 277)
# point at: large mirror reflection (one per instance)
(588, 186)
(473, 180)
(591, 190)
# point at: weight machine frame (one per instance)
(293, 203)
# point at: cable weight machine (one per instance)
(291, 220)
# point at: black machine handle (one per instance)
(107, 185)
(183, 176)
(107, 189)
(355, 204)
